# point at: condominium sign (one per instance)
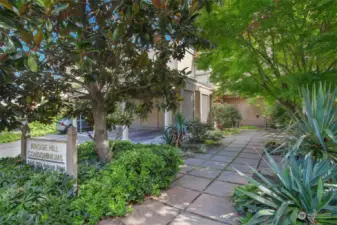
(47, 154)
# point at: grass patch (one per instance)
(248, 127)
(231, 131)
(36, 129)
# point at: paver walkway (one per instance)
(201, 194)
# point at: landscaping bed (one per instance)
(34, 196)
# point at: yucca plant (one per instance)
(174, 135)
(317, 124)
(301, 194)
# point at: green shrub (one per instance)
(197, 130)
(210, 142)
(133, 175)
(32, 196)
(301, 193)
(226, 115)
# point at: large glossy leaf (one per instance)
(32, 64)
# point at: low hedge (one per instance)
(33, 196)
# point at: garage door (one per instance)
(205, 108)
(188, 105)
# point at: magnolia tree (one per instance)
(28, 89)
(110, 51)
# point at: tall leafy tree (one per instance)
(114, 51)
(269, 48)
(28, 89)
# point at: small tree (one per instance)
(226, 115)
(28, 89)
(112, 51)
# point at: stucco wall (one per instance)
(248, 111)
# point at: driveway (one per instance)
(146, 136)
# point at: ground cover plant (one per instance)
(36, 129)
(33, 196)
(302, 192)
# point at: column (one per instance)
(168, 118)
(125, 134)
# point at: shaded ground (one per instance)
(201, 194)
(145, 136)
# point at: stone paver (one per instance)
(227, 153)
(215, 165)
(214, 207)
(186, 168)
(232, 177)
(194, 162)
(221, 158)
(201, 193)
(242, 168)
(192, 182)
(191, 219)
(222, 189)
(250, 162)
(151, 213)
(205, 172)
(178, 197)
(203, 156)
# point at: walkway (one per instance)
(201, 194)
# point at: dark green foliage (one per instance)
(197, 130)
(30, 196)
(133, 175)
(226, 115)
(300, 188)
(279, 117)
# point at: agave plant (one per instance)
(301, 194)
(174, 135)
(317, 125)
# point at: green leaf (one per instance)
(32, 64)
(38, 37)
(115, 34)
(320, 191)
(59, 8)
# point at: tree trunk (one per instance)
(100, 129)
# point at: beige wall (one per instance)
(248, 111)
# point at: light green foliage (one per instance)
(248, 127)
(36, 129)
(226, 115)
(300, 188)
(269, 48)
(210, 142)
(30, 196)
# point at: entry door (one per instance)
(205, 108)
(188, 105)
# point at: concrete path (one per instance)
(146, 136)
(201, 195)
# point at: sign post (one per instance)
(54, 154)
